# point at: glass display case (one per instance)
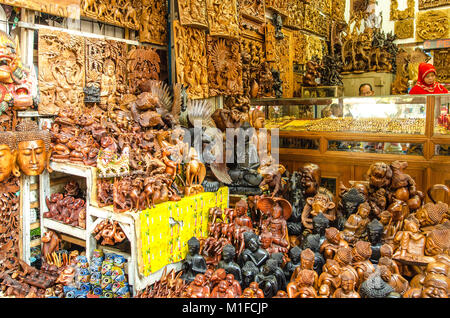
(385, 115)
(344, 136)
(442, 115)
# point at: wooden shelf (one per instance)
(71, 168)
(126, 217)
(64, 228)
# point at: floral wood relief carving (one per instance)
(404, 29)
(223, 18)
(252, 9)
(396, 14)
(427, 4)
(61, 71)
(432, 25)
(193, 13)
(224, 67)
(143, 63)
(314, 48)
(124, 13)
(153, 22)
(190, 60)
(62, 8)
(441, 63)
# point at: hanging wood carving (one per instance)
(295, 10)
(416, 57)
(427, 4)
(62, 8)
(105, 71)
(400, 84)
(190, 60)
(252, 57)
(252, 9)
(316, 22)
(251, 28)
(224, 67)
(153, 22)
(61, 71)
(316, 47)
(223, 18)
(323, 5)
(143, 63)
(124, 13)
(397, 14)
(338, 10)
(193, 13)
(279, 6)
(441, 63)
(300, 45)
(281, 59)
(433, 25)
(404, 29)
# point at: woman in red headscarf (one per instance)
(426, 83)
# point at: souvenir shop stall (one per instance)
(219, 149)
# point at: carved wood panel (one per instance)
(252, 9)
(153, 22)
(61, 71)
(124, 13)
(432, 25)
(316, 22)
(251, 28)
(441, 63)
(282, 58)
(300, 45)
(223, 18)
(397, 14)
(295, 10)
(338, 10)
(193, 13)
(427, 4)
(315, 47)
(279, 6)
(143, 63)
(63, 8)
(224, 67)
(323, 5)
(252, 57)
(404, 29)
(190, 60)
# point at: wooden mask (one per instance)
(33, 147)
(7, 156)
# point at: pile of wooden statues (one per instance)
(380, 240)
(68, 207)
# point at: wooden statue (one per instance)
(347, 289)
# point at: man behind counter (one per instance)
(366, 90)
